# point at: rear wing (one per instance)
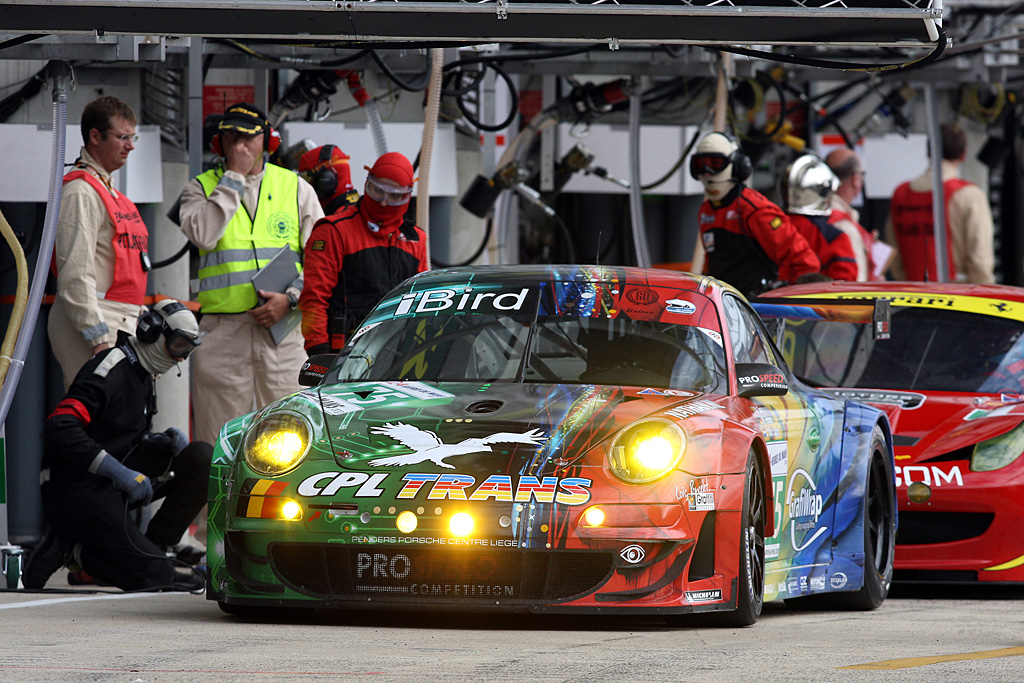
(867, 310)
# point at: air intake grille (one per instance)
(919, 528)
(438, 574)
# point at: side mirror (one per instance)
(315, 369)
(760, 379)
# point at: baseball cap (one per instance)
(245, 118)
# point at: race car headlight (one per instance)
(277, 444)
(998, 452)
(646, 451)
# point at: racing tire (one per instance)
(879, 542)
(751, 576)
(247, 611)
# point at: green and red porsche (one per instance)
(554, 439)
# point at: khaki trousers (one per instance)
(69, 346)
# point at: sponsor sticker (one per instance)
(680, 306)
(704, 596)
(632, 553)
(838, 580)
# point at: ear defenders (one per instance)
(151, 323)
(742, 167)
(325, 179)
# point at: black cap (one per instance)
(245, 118)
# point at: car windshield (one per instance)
(556, 349)
(929, 350)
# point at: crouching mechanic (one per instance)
(100, 461)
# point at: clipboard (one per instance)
(275, 276)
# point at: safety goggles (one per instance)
(179, 343)
(709, 163)
(386, 194)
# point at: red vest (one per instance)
(866, 239)
(914, 228)
(131, 237)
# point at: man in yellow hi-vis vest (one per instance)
(240, 214)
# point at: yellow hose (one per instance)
(20, 298)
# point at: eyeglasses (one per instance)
(386, 194)
(126, 137)
(710, 163)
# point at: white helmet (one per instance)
(719, 164)
(808, 186)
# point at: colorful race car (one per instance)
(554, 439)
(950, 376)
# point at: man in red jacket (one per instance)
(750, 243)
(808, 186)
(356, 256)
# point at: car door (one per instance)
(803, 431)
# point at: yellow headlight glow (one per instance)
(646, 451)
(461, 524)
(291, 510)
(406, 522)
(277, 444)
(593, 516)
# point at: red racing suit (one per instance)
(832, 245)
(750, 241)
(913, 227)
(348, 268)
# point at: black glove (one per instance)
(318, 348)
(172, 441)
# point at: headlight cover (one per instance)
(277, 443)
(998, 452)
(646, 451)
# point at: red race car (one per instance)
(948, 366)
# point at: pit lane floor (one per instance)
(919, 634)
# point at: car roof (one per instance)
(895, 288)
(532, 275)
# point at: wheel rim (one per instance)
(755, 536)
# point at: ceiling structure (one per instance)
(893, 23)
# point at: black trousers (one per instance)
(85, 508)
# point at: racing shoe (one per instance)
(44, 559)
(81, 577)
(192, 582)
(189, 554)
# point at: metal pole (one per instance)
(938, 195)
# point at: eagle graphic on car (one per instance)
(427, 446)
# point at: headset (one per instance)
(271, 139)
(152, 322)
(742, 167)
(324, 178)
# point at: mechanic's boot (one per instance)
(192, 582)
(186, 553)
(84, 578)
(43, 560)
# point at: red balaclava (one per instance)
(395, 167)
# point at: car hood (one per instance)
(477, 429)
(929, 424)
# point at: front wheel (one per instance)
(750, 580)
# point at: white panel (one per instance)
(357, 142)
(25, 175)
(141, 178)
(660, 148)
(890, 159)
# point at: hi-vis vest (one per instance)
(131, 238)
(225, 274)
(914, 226)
